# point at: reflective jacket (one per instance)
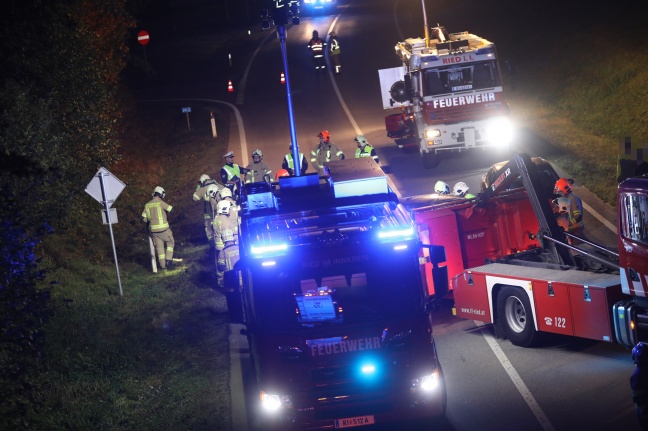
(325, 152)
(256, 172)
(317, 46)
(225, 229)
(366, 151)
(289, 164)
(155, 214)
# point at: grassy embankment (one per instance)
(584, 92)
(156, 358)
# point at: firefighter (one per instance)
(316, 45)
(334, 51)
(364, 149)
(258, 169)
(289, 164)
(576, 224)
(639, 383)
(201, 195)
(441, 188)
(227, 258)
(281, 173)
(461, 190)
(225, 230)
(226, 195)
(231, 173)
(155, 215)
(325, 151)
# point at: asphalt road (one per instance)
(563, 384)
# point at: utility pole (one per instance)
(282, 10)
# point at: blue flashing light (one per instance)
(368, 369)
(268, 249)
(429, 58)
(402, 233)
(400, 247)
(269, 263)
(483, 51)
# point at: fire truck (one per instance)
(449, 94)
(329, 290)
(511, 265)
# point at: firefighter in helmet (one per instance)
(364, 149)
(441, 188)
(576, 225)
(201, 194)
(289, 164)
(325, 151)
(225, 230)
(334, 52)
(226, 195)
(155, 215)
(258, 169)
(461, 190)
(316, 45)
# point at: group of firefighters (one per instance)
(220, 209)
(317, 45)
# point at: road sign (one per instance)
(187, 109)
(113, 216)
(143, 37)
(112, 186)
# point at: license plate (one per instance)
(357, 421)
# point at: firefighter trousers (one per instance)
(164, 243)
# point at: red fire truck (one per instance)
(449, 94)
(511, 265)
(331, 295)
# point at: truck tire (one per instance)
(515, 317)
(429, 160)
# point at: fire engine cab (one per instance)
(449, 94)
(329, 288)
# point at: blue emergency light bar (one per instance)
(268, 248)
(483, 51)
(397, 234)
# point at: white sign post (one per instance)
(105, 188)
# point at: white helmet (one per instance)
(460, 189)
(361, 139)
(225, 193)
(441, 188)
(160, 191)
(562, 204)
(257, 153)
(203, 178)
(212, 191)
(223, 207)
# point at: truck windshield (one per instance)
(359, 293)
(460, 77)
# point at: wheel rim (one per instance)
(515, 314)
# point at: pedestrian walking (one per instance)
(155, 215)
(334, 52)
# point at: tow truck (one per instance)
(329, 290)
(449, 92)
(510, 264)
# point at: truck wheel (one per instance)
(429, 160)
(514, 314)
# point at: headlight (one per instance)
(432, 133)
(426, 383)
(500, 131)
(273, 402)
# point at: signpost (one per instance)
(143, 39)
(105, 188)
(187, 110)
(213, 124)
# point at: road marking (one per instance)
(600, 218)
(237, 113)
(515, 377)
(240, 96)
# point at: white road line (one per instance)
(600, 218)
(240, 96)
(515, 377)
